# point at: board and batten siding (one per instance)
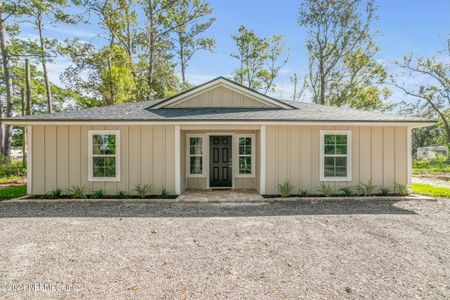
(220, 97)
(293, 154)
(60, 158)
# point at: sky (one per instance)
(418, 26)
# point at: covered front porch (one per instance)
(221, 157)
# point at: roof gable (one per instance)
(221, 92)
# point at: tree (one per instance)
(185, 16)
(435, 91)
(6, 11)
(259, 59)
(298, 90)
(37, 10)
(342, 69)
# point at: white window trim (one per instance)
(236, 150)
(91, 177)
(188, 154)
(349, 155)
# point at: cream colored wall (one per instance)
(293, 154)
(220, 97)
(60, 158)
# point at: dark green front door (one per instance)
(220, 174)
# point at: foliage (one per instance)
(385, 191)
(285, 189)
(366, 189)
(97, 195)
(326, 190)
(435, 90)
(303, 193)
(121, 195)
(433, 166)
(12, 168)
(430, 190)
(142, 190)
(260, 59)
(78, 192)
(164, 194)
(400, 189)
(13, 192)
(347, 191)
(341, 51)
(186, 17)
(55, 194)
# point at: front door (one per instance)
(220, 174)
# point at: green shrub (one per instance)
(366, 189)
(121, 195)
(142, 190)
(97, 194)
(285, 189)
(55, 194)
(326, 190)
(164, 194)
(12, 168)
(401, 189)
(385, 191)
(78, 192)
(303, 193)
(347, 191)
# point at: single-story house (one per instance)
(217, 135)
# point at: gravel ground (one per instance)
(380, 250)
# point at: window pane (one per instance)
(341, 139)
(341, 161)
(341, 149)
(341, 172)
(329, 171)
(196, 165)
(104, 166)
(245, 165)
(104, 144)
(330, 149)
(196, 146)
(245, 146)
(330, 139)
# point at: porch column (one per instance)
(177, 161)
(262, 160)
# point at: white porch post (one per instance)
(262, 160)
(409, 155)
(29, 136)
(177, 161)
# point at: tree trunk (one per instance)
(28, 87)
(151, 45)
(9, 88)
(322, 82)
(44, 63)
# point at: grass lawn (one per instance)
(13, 192)
(429, 190)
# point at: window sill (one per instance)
(102, 179)
(245, 176)
(335, 179)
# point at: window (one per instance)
(195, 159)
(104, 155)
(246, 155)
(335, 156)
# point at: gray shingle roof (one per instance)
(140, 111)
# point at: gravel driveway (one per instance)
(382, 250)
